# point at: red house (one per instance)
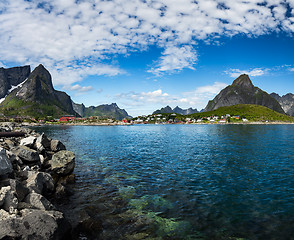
(125, 120)
(66, 118)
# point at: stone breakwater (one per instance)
(35, 173)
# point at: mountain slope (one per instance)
(12, 77)
(242, 91)
(37, 97)
(286, 102)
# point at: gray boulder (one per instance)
(28, 154)
(41, 183)
(28, 141)
(35, 225)
(56, 146)
(8, 199)
(63, 162)
(42, 139)
(5, 164)
(17, 187)
(38, 201)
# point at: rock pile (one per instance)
(34, 172)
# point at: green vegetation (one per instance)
(13, 106)
(249, 111)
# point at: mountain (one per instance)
(36, 97)
(242, 91)
(286, 102)
(107, 111)
(177, 110)
(181, 111)
(11, 77)
(166, 109)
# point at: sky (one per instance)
(146, 54)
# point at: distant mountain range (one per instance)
(25, 93)
(242, 91)
(177, 110)
(105, 110)
(286, 102)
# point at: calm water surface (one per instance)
(186, 181)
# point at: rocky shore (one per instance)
(35, 173)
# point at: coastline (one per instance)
(36, 175)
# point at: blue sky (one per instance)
(144, 55)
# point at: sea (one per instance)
(185, 181)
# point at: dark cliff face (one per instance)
(286, 102)
(12, 77)
(242, 91)
(39, 88)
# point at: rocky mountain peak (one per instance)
(243, 81)
(242, 91)
(42, 74)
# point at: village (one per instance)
(180, 119)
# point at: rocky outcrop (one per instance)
(11, 77)
(242, 91)
(29, 185)
(286, 102)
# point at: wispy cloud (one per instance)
(291, 69)
(81, 89)
(252, 72)
(60, 34)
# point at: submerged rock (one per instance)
(63, 162)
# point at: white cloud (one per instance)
(66, 32)
(81, 89)
(175, 59)
(291, 69)
(196, 99)
(253, 72)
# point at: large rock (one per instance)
(63, 162)
(17, 187)
(41, 183)
(44, 141)
(28, 154)
(56, 146)
(28, 141)
(8, 199)
(38, 201)
(35, 225)
(5, 164)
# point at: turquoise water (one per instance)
(186, 181)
